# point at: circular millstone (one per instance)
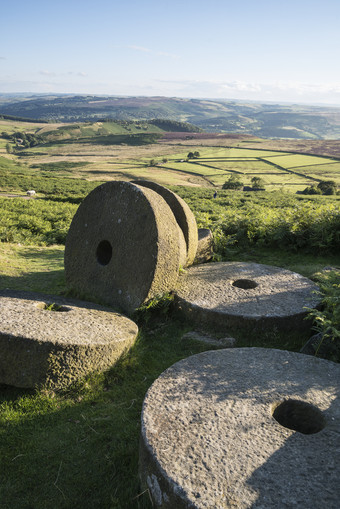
(52, 341)
(122, 246)
(183, 214)
(243, 428)
(231, 294)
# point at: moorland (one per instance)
(79, 448)
(260, 119)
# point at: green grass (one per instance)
(79, 448)
(32, 268)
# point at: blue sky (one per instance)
(247, 49)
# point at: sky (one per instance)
(261, 50)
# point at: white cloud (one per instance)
(51, 74)
(47, 73)
(152, 52)
(241, 86)
(140, 48)
(72, 73)
(277, 91)
(165, 54)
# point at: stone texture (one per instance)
(205, 247)
(122, 246)
(183, 214)
(264, 297)
(209, 439)
(55, 348)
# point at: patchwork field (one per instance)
(104, 151)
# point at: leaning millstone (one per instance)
(122, 246)
(233, 294)
(205, 247)
(47, 340)
(243, 428)
(209, 340)
(183, 214)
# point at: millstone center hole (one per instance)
(299, 416)
(246, 284)
(104, 252)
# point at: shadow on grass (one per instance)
(50, 281)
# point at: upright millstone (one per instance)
(183, 215)
(122, 246)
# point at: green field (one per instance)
(122, 150)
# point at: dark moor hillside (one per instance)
(263, 120)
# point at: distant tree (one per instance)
(258, 183)
(196, 154)
(152, 162)
(327, 187)
(164, 160)
(311, 190)
(9, 148)
(233, 183)
(190, 155)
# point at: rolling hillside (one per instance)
(263, 120)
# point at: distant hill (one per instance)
(263, 120)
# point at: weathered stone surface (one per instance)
(122, 246)
(183, 214)
(252, 295)
(209, 340)
(55, 348)
(205, 247)
(217, 432)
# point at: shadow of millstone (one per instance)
(322, 346)
(225, 342)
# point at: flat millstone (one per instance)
(276, 297)
(209, 439)
(122, 247)
(39, 347)
(183, 215)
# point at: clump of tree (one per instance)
(233, 182)
(175, 126)
(22, 139)
(325, 187)
(193, 155)
(258, 184)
